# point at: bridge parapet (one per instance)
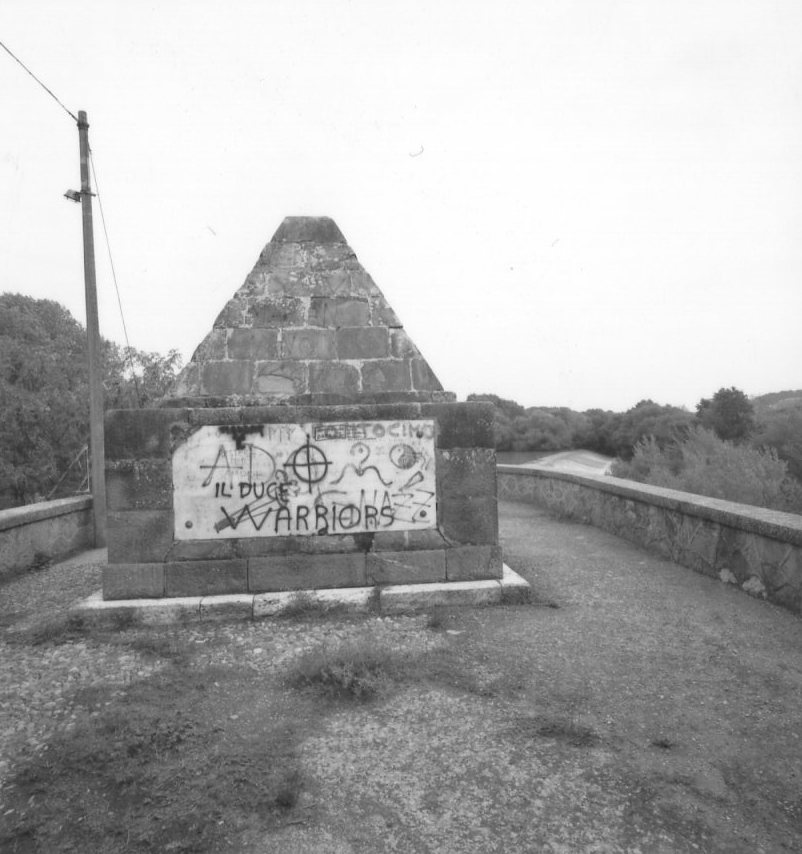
(757, 549)
(42, 532)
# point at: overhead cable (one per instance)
(49, 92)
(128, 348)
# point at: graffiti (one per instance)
(303, 480)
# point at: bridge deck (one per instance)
(634, 706)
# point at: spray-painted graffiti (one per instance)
(303, 479)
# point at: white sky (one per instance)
(607, 206)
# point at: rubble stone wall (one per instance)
(756, 549)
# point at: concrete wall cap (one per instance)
(16, 517)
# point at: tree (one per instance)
(782, 430)
(729, 414)
(43, 382)
(135, 379)
(44, 408)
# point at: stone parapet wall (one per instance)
(757, 549)
(146, 559)
(42, 532)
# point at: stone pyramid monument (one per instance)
(306, 445)
(309, 325)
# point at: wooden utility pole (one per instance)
(96, 443)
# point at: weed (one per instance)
(358, 670)
(436, 618)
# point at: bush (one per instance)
(706, 465)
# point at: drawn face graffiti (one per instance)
(305, 479)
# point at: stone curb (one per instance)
(393, 599)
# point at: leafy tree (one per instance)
(135, 379)
(729, 414)
(667, 424)
(44, 408)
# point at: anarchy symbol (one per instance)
(309, 464)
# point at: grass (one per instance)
(56, 629)
(306, 606)
(157, 767)
(358, 670)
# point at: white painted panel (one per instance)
(305, 479)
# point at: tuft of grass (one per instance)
(436, 618)
(356, 670)
(564, 728)
(169, 647)
(55, 629)
(41, 560)
(304, 606)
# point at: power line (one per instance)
(114, 278)
(18, 60)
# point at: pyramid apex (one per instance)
(308, 229)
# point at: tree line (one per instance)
(730, 447)
(44, 417)
(44, 394)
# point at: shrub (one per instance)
(706, 465)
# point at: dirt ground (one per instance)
(634, 706)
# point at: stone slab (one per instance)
(469, 563)
(139, 536)
(205, 577)
(302, 571)
(415, 597)
(133, 581)
(511, 589)
(139, 485)
(515, 590)
(406, 567)
(138, 611)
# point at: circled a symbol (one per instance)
(309, 464)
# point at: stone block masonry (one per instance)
(308, 444)
(307, 304)
(361, 528)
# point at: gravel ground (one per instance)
(636, 706)
(39, 682)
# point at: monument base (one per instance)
(511, 589)
(346, 497)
